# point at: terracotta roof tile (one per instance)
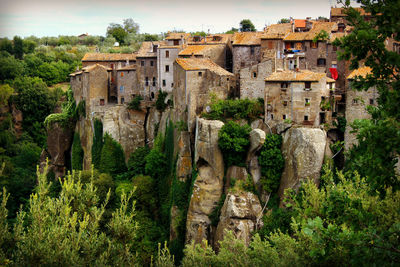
(363, 71)
(129, 67)
(300, 76)
(222, 38)
(89, 69)
(201, 64)
(317, 27)
(147, 49)
(340, 12)
(108, 57)
(198, 49)
(300, 23)
(277, 31)
(177, 35)
(247, 38)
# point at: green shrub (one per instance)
(146, 200)
(112, 159)
(233, 140)
(76, 153)
(97, 143)
(160, 102)
(137, 161)
(235, 109)
(135, 103)
(271, 162)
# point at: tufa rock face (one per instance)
(59, 140)
(208, 186)
(239, 215)
(184, 164)
(257, 139)
(235, 172)
(303, 149)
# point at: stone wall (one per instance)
(243, 56)
(162, 61)
(148, 70)
(252, 79)
(127, 85)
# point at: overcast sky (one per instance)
(73, 17)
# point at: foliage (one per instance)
(76, 153)
(137, 160)
(181, 126)
(235, 109)
(321, 36)
(112, 159)
(232, 30)
(271, 162)
(283, 20)
(97, 143)
(233, 140)
(246, 26)
(135, 103)
(10, 67)
(160, 102)
(150, 37)
(340, 123)
(18, 49)
(5, 92)
(336, 147)
(216, 213)
(117, 31)
(145, 197)
(68, 115)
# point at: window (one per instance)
(284, 85)
(314, 45)
(112, 66)
(227, 79)
(371, 101)
(355, 101)
(200, 74)
(284, 117)
(166, 68)
(152, 63)
(142, 63)
(167, 54)
(270, 44)
(285, 103)
(307, 102)
(163, 83)
(307, 85)
(102, 102)
(122, 100)
(79, 78)
(306, 117)
(254, 74)
(172, 84)
(176, 42)
(321, 62)
(252, 50)
(298, 46)
(147, 81)
(152, 95)
(272, 116)
(154, 81)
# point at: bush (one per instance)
(272, 162)
(137, 161)
(112, 159)
(76, 153)
(97, 143)
(160, 102)
(135, 103)
(146, 200)
(233, 140)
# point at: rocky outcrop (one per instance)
(208, 186)
(257, 139)
(235, 173)
(303, 150)
(184, 163)
(59, 140)
(239, 215)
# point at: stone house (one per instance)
(176, 38)
(252, 79)
(303, 97)
(92, 84)
(196, 80)
(146, 69)
(127, 84)
(214, 52)
(246, 50)
(356, 103)
(166, 56)
(272, 45)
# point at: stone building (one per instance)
(92, 84)
(272, 45)
(127, 84)
(196, 80)
(214, 52)
(246, 49)
(302, 97)
(176, 38)
(110, 60)
(356, 103)
(252, 79)
(146, 69)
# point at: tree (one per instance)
(18, 48)
(76, 153)
(10, 67)
(232, 30)
(112, 159)
(5, 92)
(6, 45)
(130, 26)
(375, 155)
(117, 31)
(247, 26)
(283, 20)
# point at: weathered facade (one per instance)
(246, 49)
(195, 81)
(146, 68)
(302, 97)
(215, 52)
(252, 79)
(127, 84)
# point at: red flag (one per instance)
(334, 73)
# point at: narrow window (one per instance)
(152, 63)
(284, 117)
(200, 74)
(142, 63)
(172, 84)
(112, 66)
(163, 83)
(167, 54)
(101, 102)
(152, 95)
(355, 101)
(321, 62)
(307, 85)
(254, 74)
(371, 101)
(314, 45)
(306, 117)
(154, 81)
(307, 101)
(122, 74)
(176, 42)
(252, 50)
(272, 116)
(166, 68)
(147, 81)
(122, 100)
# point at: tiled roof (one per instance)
(129, 67)
(177, 35)
(277, 31)
(299, 76)
(317, 27)
(201, 64)
(222, 38)
(363, 71)
(146, 49)
(108, 57)
(336, 35)
(300, 23)
(198, 49)
(247, 38)
(340, 12)
(95, 66)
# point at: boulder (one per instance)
(257, 139)
(208, 186)
(239, 214)
(235, 173)
(282, 127)
(303, 150)
(260, 124)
